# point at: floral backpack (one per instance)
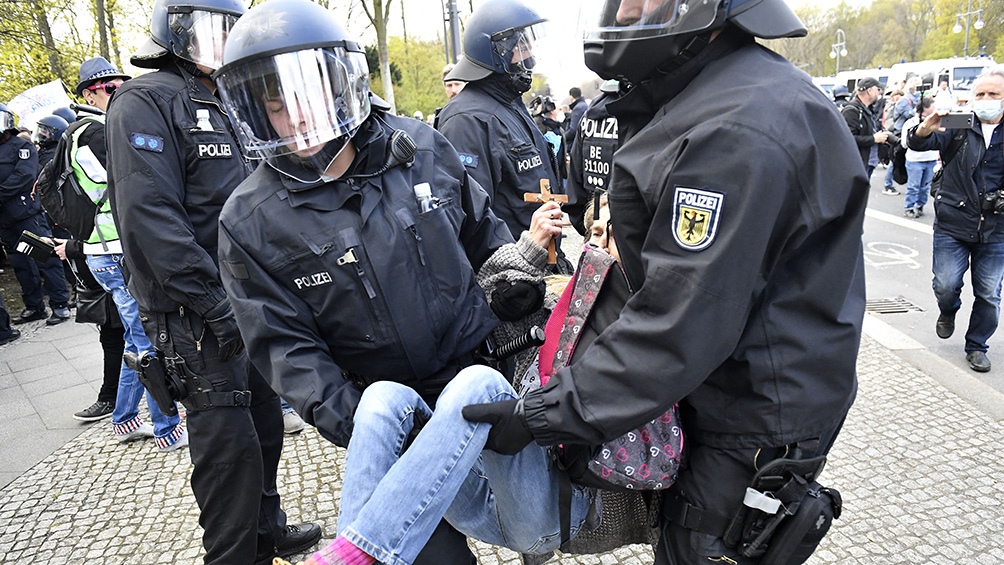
(647, 458)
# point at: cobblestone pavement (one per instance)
(916, 464)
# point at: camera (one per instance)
(993, 202)
(893, 139)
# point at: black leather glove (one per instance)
(512, 301)
(221, 322)
(509, 433)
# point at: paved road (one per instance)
(916, 462)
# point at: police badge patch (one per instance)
(23, 154)
(695, 217)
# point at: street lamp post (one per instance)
(978, 24)
(839, 49)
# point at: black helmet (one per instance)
(293, 82)
(193, 31)
(49, 129)
(631, 42)
(542, 105)
(7, 119)
(498, 32)
(66, 113)
(840, 92)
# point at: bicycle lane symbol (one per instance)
(885, 254)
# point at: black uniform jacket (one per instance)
(738, 200)
(18, 171)
(501, 146)
(591, 158)
(958, 202)
(349, 275)
(168, 180)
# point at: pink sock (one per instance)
(340, 552)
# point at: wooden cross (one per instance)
(545, 195)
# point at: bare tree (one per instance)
(378, 13)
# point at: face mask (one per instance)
(987, 109)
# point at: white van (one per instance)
(850, 78)
(960, 74)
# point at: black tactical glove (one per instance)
(512, 301)
(221, 322)
(509, 433)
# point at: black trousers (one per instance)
(715, 480)
(235, 449)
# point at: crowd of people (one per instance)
(277, 242)
(960, 168)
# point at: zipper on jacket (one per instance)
(350, 258)
(418, 241)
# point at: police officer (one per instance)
(487, 122)
(48, 130)
(591, 156)
(20, 212)
(350, 255)
(172, 163)
(744, 248)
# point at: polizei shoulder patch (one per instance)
(696, 214)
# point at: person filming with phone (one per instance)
(969, 212)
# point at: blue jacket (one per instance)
(332, 280)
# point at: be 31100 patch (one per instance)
(696, 214)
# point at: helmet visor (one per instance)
(6, 121)
(296, 102)
(199, 35)
(517, 50)
(45, 134)
(638, 19)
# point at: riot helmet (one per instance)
(7, 120)
(840, 92)
(48, 130)
(630, 39)
(294, 84)
(66, 113)
(500, 37)
(193, 31)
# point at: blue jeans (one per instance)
(951, 260)
(392, 501)
(918, 182)
(888, 176)
(108, 272)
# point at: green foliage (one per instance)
(42, 40)
(420, 86)
(889, 31)
(373, 61)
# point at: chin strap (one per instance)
(192, 69)
(692, 49)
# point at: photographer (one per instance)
(969, 225)
(863, 124)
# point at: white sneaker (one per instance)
(173, 441)
(292, 423)
(132, 431)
